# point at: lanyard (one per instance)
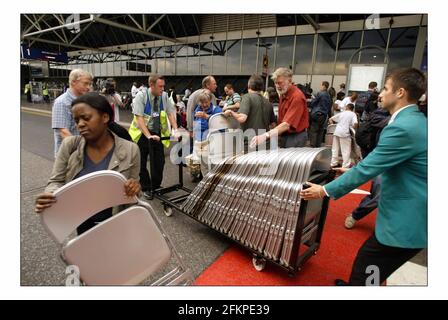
(148, 107)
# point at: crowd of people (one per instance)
(87, 138)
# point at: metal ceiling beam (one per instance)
(57, 34)
(183, 25)
(171, 26)
(122, 26)
(156, 22)
(196, 23)
(311, 21)
(58, 27)
(63, 31)
(81, 32)
(37, 26)
(62, 44)
(32, 22)
(33, 25)
(135, 21)
(59, 19)
(202, 48)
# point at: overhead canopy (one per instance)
(57, 32)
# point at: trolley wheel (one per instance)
(167, 210)
(259, 264)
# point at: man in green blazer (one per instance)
(401, 159)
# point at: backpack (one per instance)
(367, 135)
(371, 103)
(363, 136)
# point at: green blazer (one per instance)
(402, 160)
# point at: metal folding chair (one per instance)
(126, 249)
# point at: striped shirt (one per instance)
(233, 99)
(62, 117)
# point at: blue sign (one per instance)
(40, 54)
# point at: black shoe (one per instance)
(148, 195)
(340, 282)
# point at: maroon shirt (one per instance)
(293, 110)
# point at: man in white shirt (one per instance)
(341, 138)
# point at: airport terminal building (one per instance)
(185, 48)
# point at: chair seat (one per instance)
(123, 250)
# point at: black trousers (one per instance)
(369, 202)
(153, 149)
(293, 140)
(381, 257)
(317, 127)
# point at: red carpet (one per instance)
(333, 260)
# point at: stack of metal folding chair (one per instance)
(254, 199)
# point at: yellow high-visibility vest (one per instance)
(165, 130)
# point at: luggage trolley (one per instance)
(272, 222)
(265, 214)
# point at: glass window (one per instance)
(181, 63)
(401, 47)
(219, 58)
(349, 42)
(160, 59)
(424, 65)
(117, 68)
(266, 45)
(377, 37)
(169, 60)
(284, 51)
(304, 54)
(249, 60)
(110, 69)
(170, 66)
(97, 69)
(326, 49)
(370, 55)
(233, 56)
(193, 61)
(150, 66)
(206, 58)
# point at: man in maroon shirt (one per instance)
(292, 113)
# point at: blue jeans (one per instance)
(370, 202)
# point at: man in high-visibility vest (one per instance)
(45, 94)
(153, 112)
(28, 92)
